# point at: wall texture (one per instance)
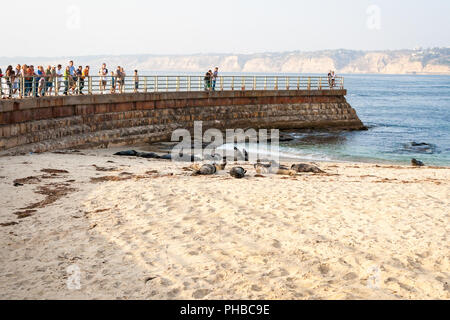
(39, 125)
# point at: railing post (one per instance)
(298, 83)
(232, 83)
(243, 83)
(342, 83)
(156, 83)
(276, 83)
(90, 85)
(265, 83)
(145, 84)
(167, 83)
(189, 83)
(287, 83)
(178, 83)
(309, 83)
(221, 83)
(320, 83)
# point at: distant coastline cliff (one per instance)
(418, 61)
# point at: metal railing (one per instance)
(35, 86)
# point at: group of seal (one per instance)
(276, 168)
(261, 167)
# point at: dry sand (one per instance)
(363, 232)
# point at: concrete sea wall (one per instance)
(50, 123)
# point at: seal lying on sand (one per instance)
(207, 169)
(238, 172)
(134, 153)
(417, 163)
(273, 167)
(181, 157)
(150, 155)
(303, 167)
(214, 157)
(130, 153)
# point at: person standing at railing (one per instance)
(214, 78)
(84, 75)
(207, 80)
(7, 76)
(73, 78)
(15, 82)
(34, 81)
(103, 73)
(2, 80)
(329, 79)
(113, 82)
(41, 81)
(67, 77)
(122, 79)
(59, 78)
(136, 81)
(18, 81)
(1, 83)
(118, 82)
(78, 74)
(333, 79)
(52, 79)
(48, 80)
(28, 80)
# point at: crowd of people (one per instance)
(28, 81)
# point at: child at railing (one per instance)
(136, 81)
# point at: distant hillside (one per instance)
(420, 61)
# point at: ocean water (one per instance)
(408, 117)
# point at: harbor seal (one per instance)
(150, 155)
(303, 167)
(238, 172)
(274, 168)
(417, 163)
(207, 169)
(130, 153)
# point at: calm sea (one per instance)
(408, 117)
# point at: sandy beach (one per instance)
(134, 228)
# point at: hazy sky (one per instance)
(87, 27)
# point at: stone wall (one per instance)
(38, 125)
